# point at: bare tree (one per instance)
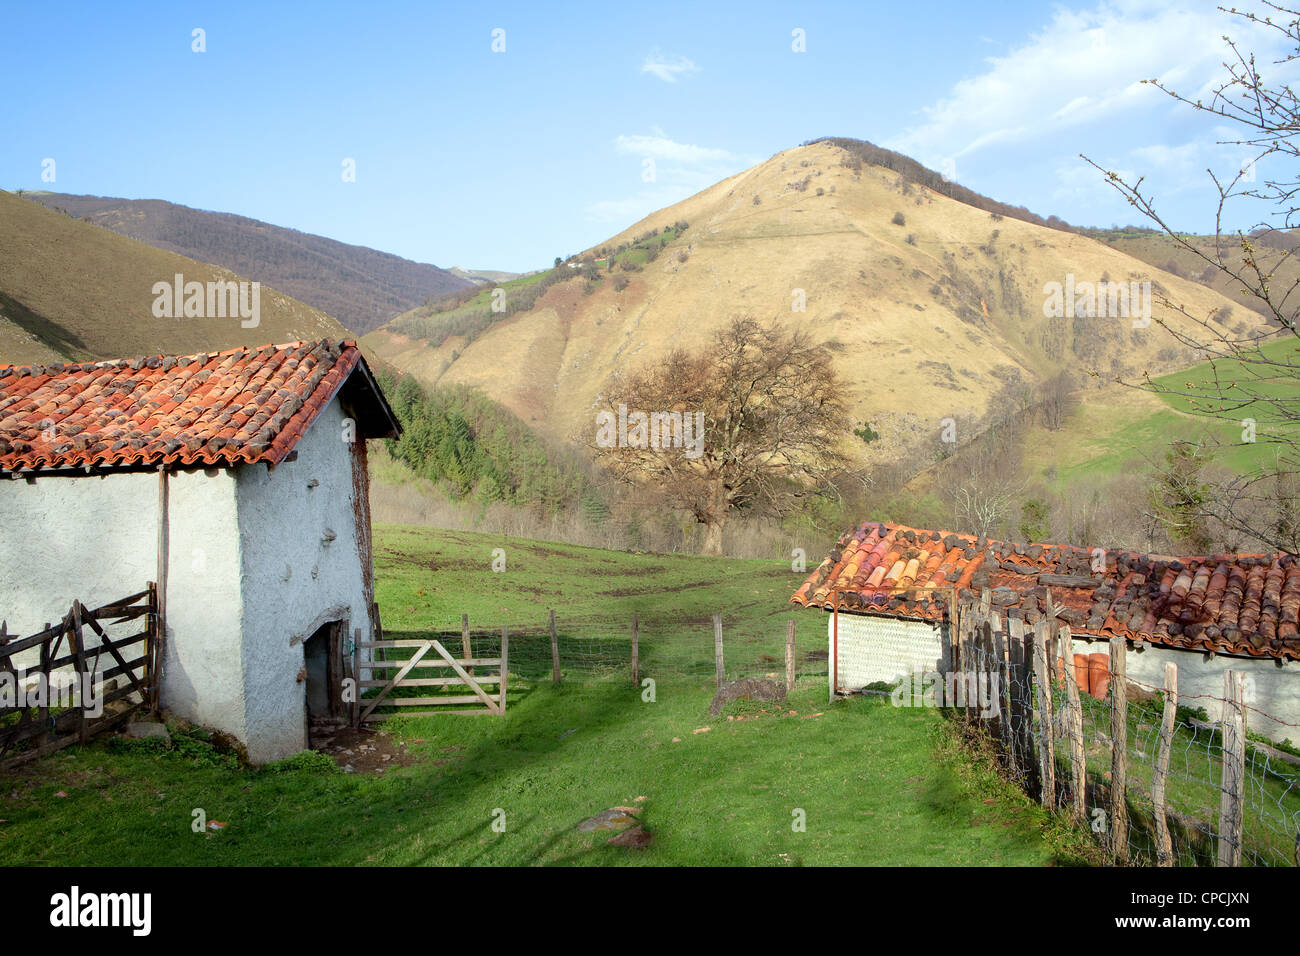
(1254, 373)
(1056, 400)
(774, 413)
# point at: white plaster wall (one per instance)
(94, 539)
(1272, 692)
(876, 648)
(293, 579)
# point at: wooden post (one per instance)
(505, 666)
(789, 656)
(43, 714)
(1119, 750)
(1160, 772)
(988, 713)
(1047, 744)
(555, 651)
(466, 646)
(1015, 676)
(1234, 769)
(717, 649)
(636, 651)
(356, 676)
(1004, 707)
(79, 655)
(1073, 720)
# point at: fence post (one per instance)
(466, 649)
(636, 656)
(1234, 769)
(1074, 729)
(555, 651)
(789, 656)
(1160, 773)
(43, 714)
(505, 665)
(356, 677)
(1015, 658)
(1047, 745)
(79, 655)
(1004, 702)
(1119, 749)
(984, 687)
(717, 649)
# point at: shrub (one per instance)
(899, 219)
(305, 761)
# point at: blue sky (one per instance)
(466, 156)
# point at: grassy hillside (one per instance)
(361, 287)
(1121, 429)
(1274, 251)
(472, 448)
(71, 291)
(895, 302)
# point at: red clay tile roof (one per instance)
(218, 409)
(1228, 603)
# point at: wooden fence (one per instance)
(1037, 728)
(428, 654)
(540, 653)
(41, 712)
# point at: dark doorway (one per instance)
(322, 659)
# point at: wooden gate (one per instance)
(429, 654)
(38, 719)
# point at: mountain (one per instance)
(72, 292)
(930, 304)
(483, 276)
(361, 287)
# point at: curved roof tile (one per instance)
(226, 408)
(1244, 604)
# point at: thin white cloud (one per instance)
(679, 170)
(1082, 68)
(661, 147)
(668, 68)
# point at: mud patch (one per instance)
(364, 750)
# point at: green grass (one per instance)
(878, 785)
(425, 581)
(1123, 430)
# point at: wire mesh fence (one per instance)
(675, 651)
(1149, 772)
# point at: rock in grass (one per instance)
(147, 730)
(637, 838)
(747, 688)
(616, 819)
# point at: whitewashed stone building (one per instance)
(237, 482)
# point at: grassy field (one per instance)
(876, 784)
(426, 579)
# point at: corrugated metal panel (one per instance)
(874, 648)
